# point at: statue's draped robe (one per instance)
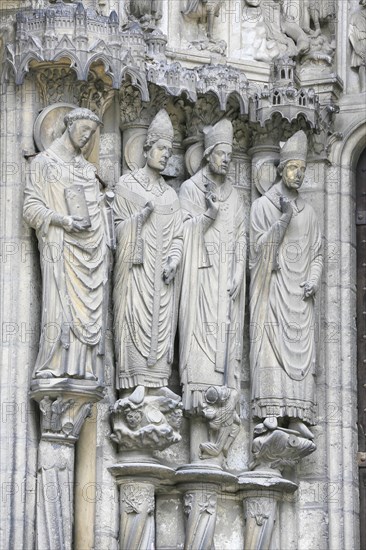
(208, 318)
(282, 326)
(142, 8)
(357, 36)
(145, 308)
(199, 7)
(74, 267)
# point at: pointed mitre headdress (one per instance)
(161, 127)
(222, 132)
(295, 148)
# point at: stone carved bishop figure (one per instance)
(212, 300)
(357, 37)
(149, 237)
(286, 265)
(64, 205)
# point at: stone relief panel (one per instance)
(202, 15)
(272, 29)
(263, 31)
(318, 20)
(147, 12)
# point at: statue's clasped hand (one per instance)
(285, 205)
(212, 205)
(235, 286)
(75, 224)
(309, 289)
(169, 271)
(147, 210)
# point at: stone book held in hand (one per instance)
(76, 203)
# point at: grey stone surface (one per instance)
(170, 62)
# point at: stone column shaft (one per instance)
(137, 484)
(55, 501)
(200, 508)
(137, 522)
(64, 404)
(260, 515)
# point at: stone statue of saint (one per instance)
(212, 300)
(145, 11)
(204, 11)
(149, 235)
(286, 265)
(357, 36)
(64, 205)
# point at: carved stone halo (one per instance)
(134, 150)
(264, 173)
(49, 125)
(193, 157)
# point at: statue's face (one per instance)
(159, 154)
(219, 159)
(175, 419)
(294, 173)
(80, 132)
(133, 419)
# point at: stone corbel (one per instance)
(142, 424)
(214, 427)
(279, 448)
(64, 405)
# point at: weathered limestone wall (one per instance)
(20, 309)
(323, 512)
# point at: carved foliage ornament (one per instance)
(137, 498)
(62, 418)
(133, 109)
(260, 509)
